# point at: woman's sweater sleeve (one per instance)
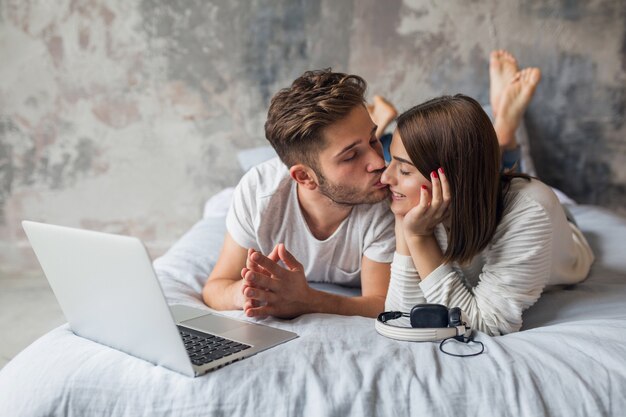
(517, 267)
(404, 289)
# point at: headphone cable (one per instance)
(465, 340)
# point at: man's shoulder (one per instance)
(265, 188)
(266, 178)
(268, 169)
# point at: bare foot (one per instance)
(382, 113)
(513, 102)
(502, 69)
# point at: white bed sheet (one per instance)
(568, 360)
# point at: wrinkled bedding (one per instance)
(567, 361)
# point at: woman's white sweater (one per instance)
(534, 246)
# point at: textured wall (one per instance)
(124, 116)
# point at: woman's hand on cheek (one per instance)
(432, 209)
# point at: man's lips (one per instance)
(379, 185)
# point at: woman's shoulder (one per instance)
(523, 194)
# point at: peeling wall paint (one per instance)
(126, 116)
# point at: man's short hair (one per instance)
(298, 114)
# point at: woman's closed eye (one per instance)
(402, 169)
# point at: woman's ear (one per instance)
(304, 176)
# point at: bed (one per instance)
(569, 359)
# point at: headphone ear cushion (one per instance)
(454, 317)
(429, 316)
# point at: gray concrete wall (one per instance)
(124, 116)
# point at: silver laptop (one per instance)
(109, 293)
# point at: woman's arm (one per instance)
(404, 287)
(404, 291)
(517, 267)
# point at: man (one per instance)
(320, 213)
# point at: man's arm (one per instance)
(374, 284)
(285, 293)
(223, 289)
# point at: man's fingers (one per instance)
(290, 261)
(251, 265)
(251, 304)
(260, 296)
(265, 262)
(252, 309)
(274, 254)
(259, 312)
(258, 280)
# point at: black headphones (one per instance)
(429, 323)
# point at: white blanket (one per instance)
(568, 360)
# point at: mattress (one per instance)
(568, 360)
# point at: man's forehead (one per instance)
(357, 126)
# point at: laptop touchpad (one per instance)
(212, 323)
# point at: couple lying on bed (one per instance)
(459, 230)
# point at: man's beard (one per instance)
(349, 196)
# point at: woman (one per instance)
(468, 235)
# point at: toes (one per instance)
(535, 75)
(524, 74)
(504, 59)
(530, 75)
(496, 57)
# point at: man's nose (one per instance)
(376, 162)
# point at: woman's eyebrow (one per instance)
(404, 161)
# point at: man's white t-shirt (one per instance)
(265, 211)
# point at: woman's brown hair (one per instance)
(455, 133)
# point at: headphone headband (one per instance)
(410, 334)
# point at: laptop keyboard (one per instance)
(203, 348)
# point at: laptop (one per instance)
(109, 293)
